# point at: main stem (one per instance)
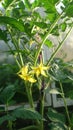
(66, 108)
(42, 111)
(30, 99)
(40, 104)
(29, 94)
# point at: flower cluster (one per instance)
(27, 75)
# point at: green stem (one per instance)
(17, 62)
(46, 36)
(66, 108)
(9, 122)
(59, 46)
(42, 111)
(30, 99)
(20, 55)
(10, 125)
(29, 94)
(41, 103)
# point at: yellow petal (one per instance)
(36, 70)
(32, 80)
(27, 78)
(21, 76)
(40, 69)
(24, 70)
(37, 73)
(43, 73)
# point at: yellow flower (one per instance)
(40, 70)
(25, 75)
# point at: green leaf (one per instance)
(26, 114)
(72, 119)
(60, 70)
(21, 113)
(48, 43)
(55, 116)
(21, 5)
(2, 108)
(57, 126)
(70, 94)
(6, 118)
(27, 4)
(52, 17)
(6, 3)
(55, 31)
(12, 22)
(7, 94)
(66, 2)
(36, 3)
(69, 10)
(28, 29)
(45, 3)
(63, 26)
(51, 10)
(53, 1)
(3, 35)
(41, 24)
(58, 73)
(49, 4)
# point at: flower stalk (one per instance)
(66, 108)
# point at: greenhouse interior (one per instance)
(36, 65)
